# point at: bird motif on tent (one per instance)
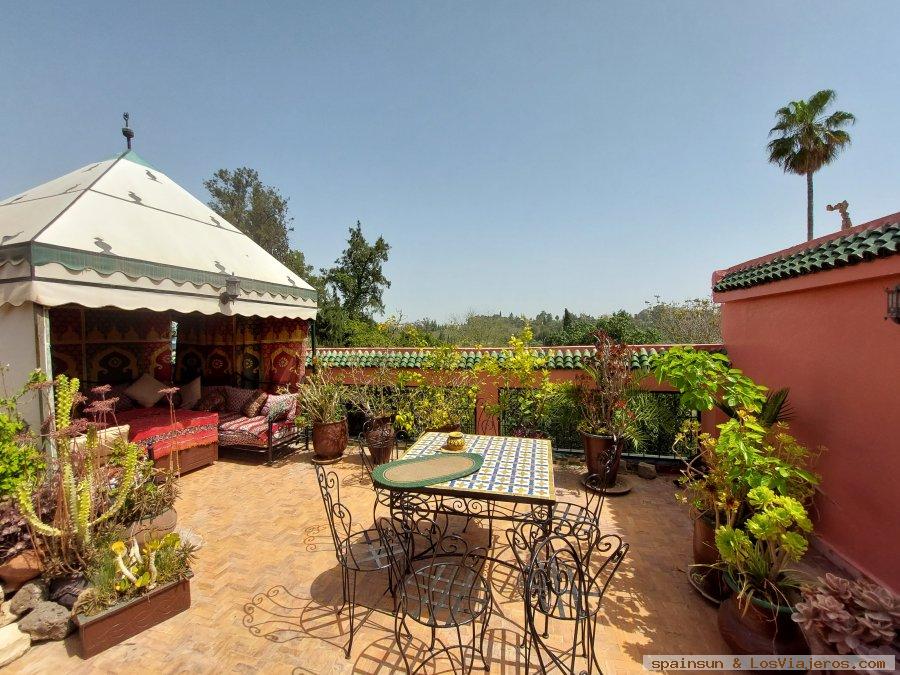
(220, 266)
(215, 222)
(134, 197)
(152, 176)
(102, 245)
(9, 237)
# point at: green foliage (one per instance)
(153, 492)
(322, 399)
(20, 459)
(605, 394)
(704, 378)
(357, 278)
(807, 137)
(123, 572)
(697, 321)
(438, 395)
(757, 553)
(373, 392)
(774, 409)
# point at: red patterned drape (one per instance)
(110, 346)
(251, 352)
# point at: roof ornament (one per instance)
(127, 131)
(842, 207)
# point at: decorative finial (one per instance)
(845, 214)
(127, 132)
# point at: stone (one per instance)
(646, 470)
(65, 590)
(13, 644)
(28, 596)
(6, 615)
(47, 621)
(20, 569)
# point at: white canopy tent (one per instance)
(120, 233)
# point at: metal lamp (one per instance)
(893, 303)
(232, 289)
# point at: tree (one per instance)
(257, 210)
(357, 279)
(808, 139)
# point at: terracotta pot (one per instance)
(597, 450)
(125, 620)
(153, 528)
(330, 440)
(19, 569)
(710, 579)
(758, 627)
(380, 439)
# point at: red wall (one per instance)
(824, 335)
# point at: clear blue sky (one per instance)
(517, 156)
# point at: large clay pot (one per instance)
(19, 569)
(330, 440)
(758, 627)
(709, 579)
(380, 439)
(153, 528)
(597, 451)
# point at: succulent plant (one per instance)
(848, 614)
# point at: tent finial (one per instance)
(127, 132)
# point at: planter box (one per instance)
(120, 622)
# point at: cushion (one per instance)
(254, 406)
(191, 394)
(146, 390)
(286, 401)
(124, 403)
(236, 398)
(212, 401)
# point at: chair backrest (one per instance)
(596, 485)
(340, 520)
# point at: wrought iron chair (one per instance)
(582, 522)
(440, 582)
(559, 584)
(382, 496)
(357, 550)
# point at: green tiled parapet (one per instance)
(852, 249)
(558, 358)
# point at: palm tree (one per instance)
(808, 139)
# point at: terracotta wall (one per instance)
(824, 335)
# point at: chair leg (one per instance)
(352, 586)
(398, 622)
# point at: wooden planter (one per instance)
(127, 619)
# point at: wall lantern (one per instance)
(232, 289)
(893, 303)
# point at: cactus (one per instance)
(79, 492)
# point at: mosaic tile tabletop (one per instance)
(514, 468)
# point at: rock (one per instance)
(646, 470)
(47, 621)
(6, 615)
(19, 569)
(28, 596)
(13, 643)
(65, 590)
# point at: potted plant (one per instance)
(438, 397)
(132, 587)
(842, 616)
(323, 404)
(755, 558)
(374, 395)
(603, 397)
(149, 510)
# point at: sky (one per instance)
(517, 156)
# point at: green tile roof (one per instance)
(558, 358)
(851, 249)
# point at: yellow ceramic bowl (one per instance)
(455, 441)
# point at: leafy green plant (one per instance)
(373, 392)
(20, 459)
(775, 408)
(153, 492)
(707, 378)
(438, 395)
(322, 400)
(122, 572)
(756, 554)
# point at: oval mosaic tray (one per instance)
(424, 471)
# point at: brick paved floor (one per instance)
(267, 586)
